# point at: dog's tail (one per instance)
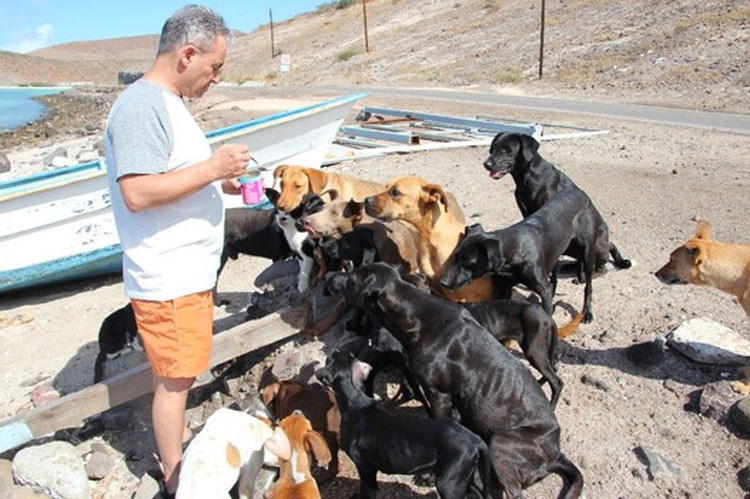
(570, 328)
(571, 476)
(620, 262)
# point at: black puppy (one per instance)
(460, 365)
(357, 246)
(537, 182)
(527, 251)
(378, 441)
(118, 334)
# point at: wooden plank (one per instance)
(70, 411)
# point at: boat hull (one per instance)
(58, 226)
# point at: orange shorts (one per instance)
(177, 334)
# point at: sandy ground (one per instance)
(650, 182)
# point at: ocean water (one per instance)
(18, 108)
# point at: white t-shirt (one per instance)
(172, 250)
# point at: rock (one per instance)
(740, 414)
(709, 342)
(59, 152)
(98, 465)
(87, 155)
(99, 148)
(646, 354)
(53, 468)
(59, 162)
(656, 463)
(147, 489)
(49, 130)
(4, 163)
(716, 399)
(44, 394)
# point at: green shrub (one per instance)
(335, 4)
(346, 55)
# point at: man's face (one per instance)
(204, 68)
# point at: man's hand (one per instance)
(230, 160)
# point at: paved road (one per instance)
(727, 122)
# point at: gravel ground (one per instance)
(650, 182)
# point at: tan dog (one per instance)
(705, 262)
(394, 241)
(439, 222)
(295, 480)
(296, 181)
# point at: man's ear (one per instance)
(187, 53)
(434, 193)
(316, 444)
(317, 179)
(278, 444)
(703, 230)
(529, 146)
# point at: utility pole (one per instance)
(541, 44)
(364, 12)
(270, 16)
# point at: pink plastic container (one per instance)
(252, 189)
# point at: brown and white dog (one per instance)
(439, 221)
(295, 480)
(706, 262)
(230, 447)
(296, 181)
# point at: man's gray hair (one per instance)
(194, 24)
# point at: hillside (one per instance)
(687, 53)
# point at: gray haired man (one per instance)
(164, 184)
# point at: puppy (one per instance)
(378, 441)
(297, 239)
(537, 182)
(295, 480)
(528, 250)
(118, 334)
(439, 222)
(283, 398)
(297, 181)
(706, 262)
(462, 367)
(230, 447)
(360, 237)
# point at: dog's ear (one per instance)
(433, 193)
(333, 194)
(529, 146)
(272, 195)
(279, 445)
(317, 179)
(354, 210)
(493, 252)
(360, 372)
(315, 443)
(269, 393)
(474, 229)
(364, 291)
(703, 230)
(279, 171)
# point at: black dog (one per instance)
(117, 335)
(460, 365)
(533, 329)
(378, 441)
(528, 251)
(537, 182)
(357, 246)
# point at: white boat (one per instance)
(57, 226)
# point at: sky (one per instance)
(28, 25)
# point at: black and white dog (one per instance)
(118, 335)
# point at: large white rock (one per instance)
(709, 342)
(53, 468)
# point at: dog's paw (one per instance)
(588, 317)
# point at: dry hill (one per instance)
(685, 52)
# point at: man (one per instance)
(163, 182)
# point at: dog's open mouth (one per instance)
(496, 174)
(311, 230)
